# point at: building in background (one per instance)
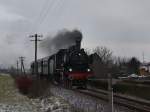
(145, 69)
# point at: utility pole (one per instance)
(143, 57)
(22, 64)
(36, 40)
(110, 94)
(17, 68)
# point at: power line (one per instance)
(40, 14)
(43, 9)
(44, 12)
(60, 14)
(46, 7)
(51, 6)
(58, 7)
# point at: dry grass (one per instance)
(39, 88)
(8, 90)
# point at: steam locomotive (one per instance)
(69, 67)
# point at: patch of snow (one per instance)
(20, 107)
(85, 103)
(51, 104)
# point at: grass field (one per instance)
(8, 90)
(11, 100)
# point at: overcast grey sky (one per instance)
(121, 25)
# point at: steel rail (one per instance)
(131, 103)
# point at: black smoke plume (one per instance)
(63, 39)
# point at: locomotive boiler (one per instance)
(68, 67)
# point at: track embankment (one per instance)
(11, 100)
(86, 102)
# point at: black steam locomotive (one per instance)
(69, 67)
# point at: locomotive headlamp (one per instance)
(88, 70)
(70, 69)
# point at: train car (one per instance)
(68, 67)
(40, 68)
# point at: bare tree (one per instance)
(104, 53)
(120, 61)
(88, 51)
(102, 61)
(120, 65)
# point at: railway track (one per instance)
(134, 104)
(137, 105)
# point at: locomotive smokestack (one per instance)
(78, 36)
(78, 44)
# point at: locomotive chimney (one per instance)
(78, 44)
(78, 36)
